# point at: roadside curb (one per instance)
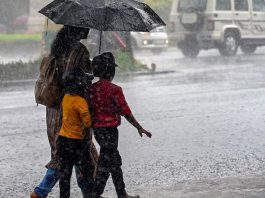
(26, 81)
(146, 73)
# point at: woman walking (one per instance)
(69, 53)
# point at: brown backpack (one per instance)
(47, 88)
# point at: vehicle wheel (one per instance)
(230, 45)
(248, 49)
(190, 50)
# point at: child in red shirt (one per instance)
(109, 104)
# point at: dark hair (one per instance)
(108, 73)
(65, 40)
(75, 81)
(104, 66)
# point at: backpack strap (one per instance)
(79, 57)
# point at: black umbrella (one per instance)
(103, 15)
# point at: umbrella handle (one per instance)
(47, 25)
(100, 41)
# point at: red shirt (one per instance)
(108, 103)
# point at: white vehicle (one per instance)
(156, 40)
(222, 24)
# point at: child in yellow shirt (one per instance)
(71, 143)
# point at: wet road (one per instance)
(206, 115)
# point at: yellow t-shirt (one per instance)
(76, 117)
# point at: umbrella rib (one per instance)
(68, 7)
(153, 26)
(105, 17)
(140, 16)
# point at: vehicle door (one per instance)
(223, 14)
(242, 17)
(258, 17)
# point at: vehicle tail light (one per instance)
(210, 25)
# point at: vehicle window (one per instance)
(259, 5)
(241, 5)
(192, 4)
(223, 4)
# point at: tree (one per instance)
(162, 7)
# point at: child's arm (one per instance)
(141, 130)
(126, 112)
(84, 113)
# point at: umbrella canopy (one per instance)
(103, 15)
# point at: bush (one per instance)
(162, 7)
(30, 70)
(19, 70)
(20, 37)
(126, 62)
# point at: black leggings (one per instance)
(109, 161)
(74, 152)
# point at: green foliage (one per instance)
(19, 70)
(30, 70)
(20, 37)
(162, 7)
(126, 62)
